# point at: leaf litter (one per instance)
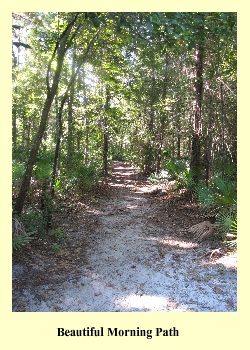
(126, 250)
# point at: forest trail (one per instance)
(136, 259)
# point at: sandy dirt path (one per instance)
(133, 265)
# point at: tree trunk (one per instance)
(58, 144)
(149, 149)
(105, 153)
(105, 132)
(178, 130)
(71, 89)
(51, 92)
(208, 141)
(149, 166)
(86, 142)
(14, 122)
(223, 130)
(163, 116)
(14, 129)
(195, 165)
(85, 121)
(70, 118)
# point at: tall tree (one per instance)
(61, 47)
(162, 86)
(198, 91)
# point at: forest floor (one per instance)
(126, 250)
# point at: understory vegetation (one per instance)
(155, 90)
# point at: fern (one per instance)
(19, 241)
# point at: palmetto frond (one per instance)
(19, 241)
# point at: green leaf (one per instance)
(226, 191)
(191, 45)
(154, 19)
(149, 26)
(20, 241)
(169, 29)
(125, 24)
(227, 221)
(174, 21)
(233, 228)
(96, 21)
(205, 195)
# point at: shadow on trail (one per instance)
(132, 261)
(123, 174)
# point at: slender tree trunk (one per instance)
(61, 49)
(223, 129)
(159, 151)
(70, 118)
(71, 89)
(178, 145)
(51, 92)
(105, 153)
(14, 104)
(58, 144)
(178, 130)
(195, 164)
(23, 130)
(149, 165)
(208, 141)
(85, 122)
(78, 140)
(105, 132)
(14, 122)
(86, 142)
(14, 129)
(163, 116)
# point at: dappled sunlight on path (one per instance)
(136, 265)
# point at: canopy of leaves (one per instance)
(128, 86)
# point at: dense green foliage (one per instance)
(155, 89)
(220, 198)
